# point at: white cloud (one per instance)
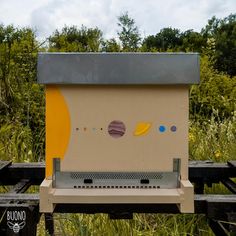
(150, 15)
(18, 12)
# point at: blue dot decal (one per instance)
(162, 128)
(173, 128)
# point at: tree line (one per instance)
(217, 40)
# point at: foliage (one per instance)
(73, 39)
(213, 139)
(129, 34)
(192, 41)
(16, 142)
(21, 100)
(142, 224)
(217, 91)
(167, 38)
(111, 45)
(217, 40)
(223, 33)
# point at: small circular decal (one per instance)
(162, 128)
(116, 129)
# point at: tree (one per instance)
(192, 41)
(217, 91)
(73, 39)
(129, 34)
(225, 46)
(221, 36)
(18, 51)
(150, 43)
(211, 28)
(166, 39)
(169, 38)
(21, 99)
(111, 45)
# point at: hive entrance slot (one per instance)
(88, 181)
(144, 181)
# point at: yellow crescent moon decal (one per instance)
(57, 126)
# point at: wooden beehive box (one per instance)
(118, 122)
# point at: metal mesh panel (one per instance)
(127, 180)
(116, 175)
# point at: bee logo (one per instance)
(16, 227)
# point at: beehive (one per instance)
(117, 128)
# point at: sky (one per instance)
(45, 16)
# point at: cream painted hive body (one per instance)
(117, 128)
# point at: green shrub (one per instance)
(217, 91)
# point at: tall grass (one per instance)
(141, 224)
(18, 144)
(213, 139)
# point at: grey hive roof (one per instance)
(118, 68)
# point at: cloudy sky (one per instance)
(150, 15)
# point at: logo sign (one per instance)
(16, 220)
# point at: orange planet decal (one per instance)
(57, 126)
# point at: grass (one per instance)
(141, 225)
(212, 140)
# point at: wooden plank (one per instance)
(19, 197)
(4, 164)
(230, 184)
(232, 163)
